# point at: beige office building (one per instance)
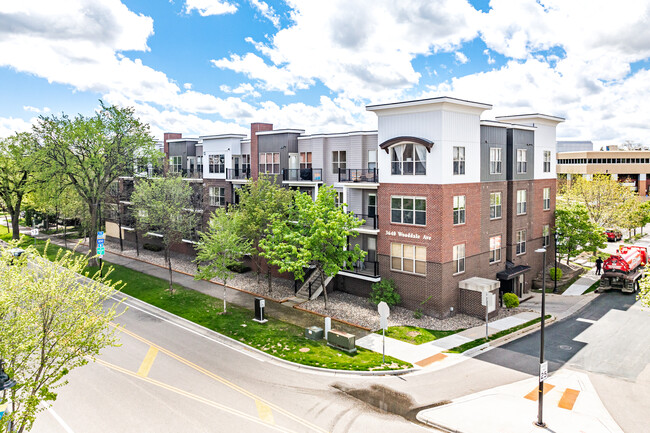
(630, 167)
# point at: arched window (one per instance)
(408, 159)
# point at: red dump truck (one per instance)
(624, 270)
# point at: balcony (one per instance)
(365, 267)
(302, 175)
(370, 221)
(370, 175)
(191, 174)
(238, 174)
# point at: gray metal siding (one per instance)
(492, 136)
(282, 143)
(520, 139)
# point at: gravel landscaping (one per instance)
(360, 311)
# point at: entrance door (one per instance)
(294, 163)
(235, 166)
(521, 283)
(372, 249)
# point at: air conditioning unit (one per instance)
(342, 341)
(314, 333)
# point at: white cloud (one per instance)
(461, 57)
(36, 109)
(187, 86)
(11, 125)
(245, 89)
(210, 7)
(491, 61)
(267, 12)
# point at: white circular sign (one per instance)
(383, 309)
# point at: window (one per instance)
(495, 249)
(408, 158)
(339, 158)
(495, 160)
(175, 164)
(547, 198)
(217, 196)
(305, 159)
(546, 235)
(495, 205)
(408, 210)
(270, 163)
(372, 160)
(408, 258)
(459, 258)
(521, 242)
(521, 202)
(459, 160)
(372, 205)
(217, 163)
(459, 209)
(246, 164)
(547, 161)
(521, 161)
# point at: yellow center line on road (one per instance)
(193, 396)
(265, 412)
(147, 362)
(224, 381)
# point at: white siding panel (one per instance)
(545, 139)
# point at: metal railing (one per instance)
(302, 174)
(370, 221)
(238, 173)
(192, 174)
(366, 267)
(359, 175)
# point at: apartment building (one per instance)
(452, 205)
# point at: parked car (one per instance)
(613, 235)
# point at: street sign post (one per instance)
(384, 312)
(543, 371)
(100, 250)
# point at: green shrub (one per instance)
(417, 314)
(385, 290)
(555, 273)
(240, 268)
(153, 247)
(510, 300)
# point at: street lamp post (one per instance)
(542, 366)
(556, 235)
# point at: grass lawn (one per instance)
(277, 338)
(592, 288)
(415, 335)
(471, 344)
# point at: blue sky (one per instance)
(213, 66)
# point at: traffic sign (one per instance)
(101, 235)
(384, 312)
(543, 371)
(34, 232)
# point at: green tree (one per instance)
(90, 153)
(578, 233)
(315, 234)
(258, 202)
(51, 322)
(18, 167)
(164, 206)
(221, 247)
(606, 200)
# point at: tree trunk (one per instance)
(119, 227)
(15, 224)
(269, 278)
(65, 232)
(322, 284)
(7, 222)
(169, 263)
(137, 243)
(92, 235)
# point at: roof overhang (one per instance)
(510, 273)
(478, 284)
(403, 139)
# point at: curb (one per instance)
(228, 341)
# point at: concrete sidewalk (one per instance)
(427, 354)
(571, 405)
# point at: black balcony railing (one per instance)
(238, 173)
(192, 174)
(303, 174)
(358, 175)
(366, 267)
(370, 221)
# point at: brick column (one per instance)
(255, 154)
(169, 136)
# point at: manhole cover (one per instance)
(565, 347)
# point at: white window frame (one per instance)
(269, 167)
(305, 160)
(546, 235)
(459, 210)
(495, 160)
(547, 161)
(521, 201)
(337, 162)
(522, 161)
(246, 164)
(547, 198)
(459, 259)
(404, 211)
(217, 195)
(175, 167)
(217, 163)
(459, 160)
(495, 249)
(496, 206)
(401, 248)
(372, 160)
(521, 242)
(412, 167)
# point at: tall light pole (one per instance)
(543, 369)
(556, 235)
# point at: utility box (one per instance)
(314, 333)
(259, 311)
(342, 340)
